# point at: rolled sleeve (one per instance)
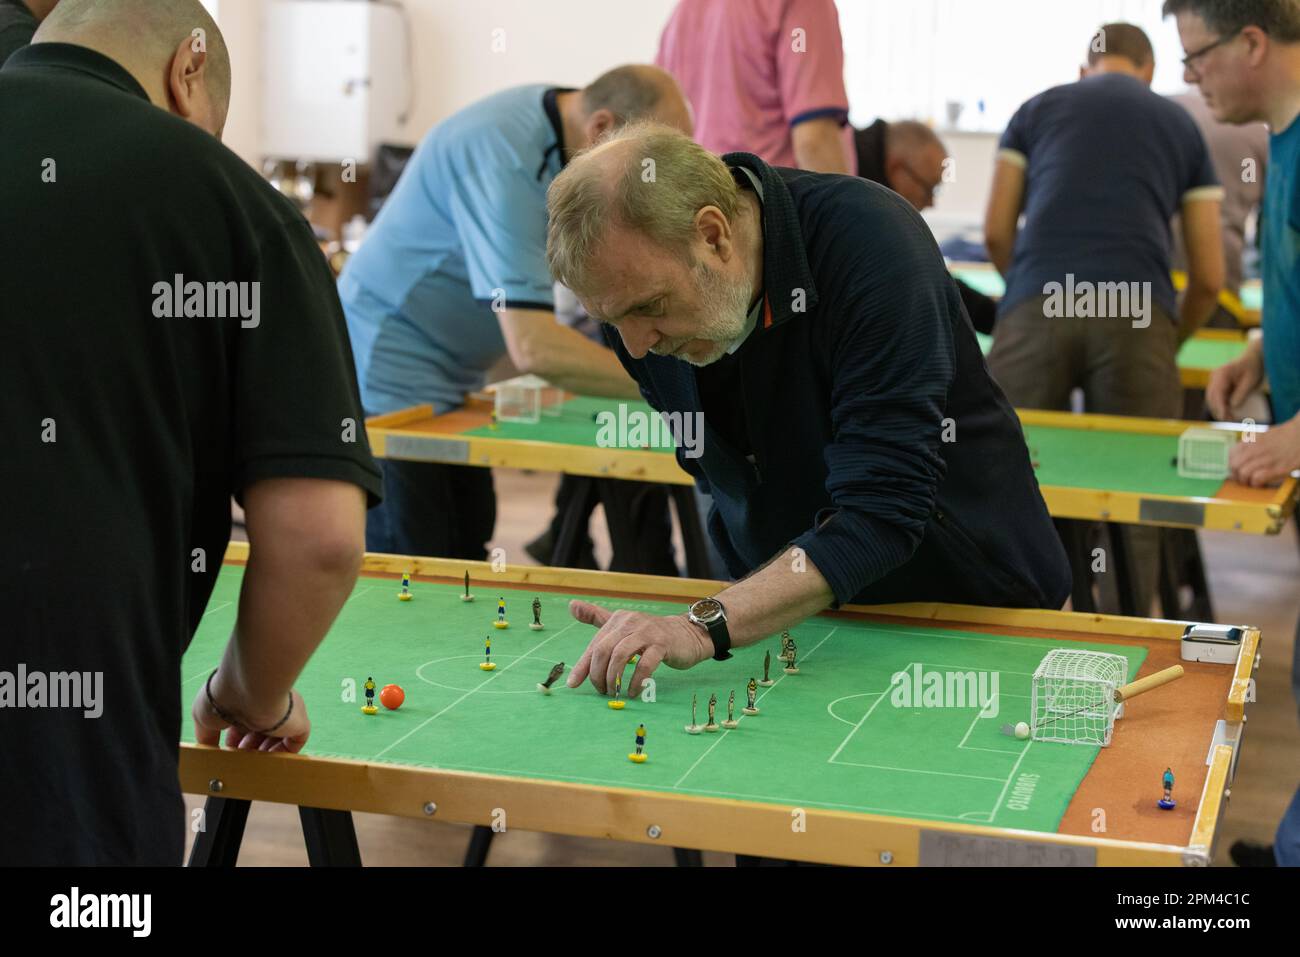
(500, 217)
(810, 63)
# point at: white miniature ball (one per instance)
(1022, 730)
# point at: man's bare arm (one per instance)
(1002, 218)
(539, 344)
(306, 543)
(819, 146)
(1203, 239)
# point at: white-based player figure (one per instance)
(731, 721)
(501, 615)
(790, 667)
(545, 686)
(467, 596)
(537, 615)
(767, 681)
(751, 692)
(712, 724)
(694, 726)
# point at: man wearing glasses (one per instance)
(1244, 55)
(910, 159)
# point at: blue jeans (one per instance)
(1286, 845)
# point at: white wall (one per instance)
(566, 42)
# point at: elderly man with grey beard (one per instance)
(855, 446)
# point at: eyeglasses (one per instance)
(1193, 57)
(932, 190)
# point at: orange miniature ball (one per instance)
(392, 697)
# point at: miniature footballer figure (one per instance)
(694, 726)
(786, 642)
(751, 690)
(487, 664)
(1167, 779)
(731, 721)
(712, 724)
(545, 686)
(617, 701)
(790, 667)
(537, 615)
(639, 755)
(467, 596)
(369, 706)
(501, 615)
(405, 593)
(767, 681)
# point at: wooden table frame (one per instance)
(328, 789)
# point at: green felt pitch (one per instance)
(574, 423)
(1196, 353)
(1145, 464)
(839, 735)
(1075, 458)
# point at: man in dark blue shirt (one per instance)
(1098, 168)
(802, 331)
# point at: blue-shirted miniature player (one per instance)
(1167, 780)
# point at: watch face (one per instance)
(707, 610)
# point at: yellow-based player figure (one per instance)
(767, 681)
(405, 593)
(712, 724)
(537, 615)
(639, 755)
(487, 664)
(467, 596)
(369, 706)
(501, 615)
(731, 721)
(751, 691)
(617, 701)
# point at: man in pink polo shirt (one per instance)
(764, 77)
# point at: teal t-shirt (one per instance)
(1280, 229)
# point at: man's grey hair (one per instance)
(653, 180)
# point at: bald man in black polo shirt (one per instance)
(171, 336)
(18, 22)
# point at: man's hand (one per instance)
(1230, 385)
(1269, 459)
(208, 725)
(670, 640)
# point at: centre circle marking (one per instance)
(485, 686)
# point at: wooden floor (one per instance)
(1253, 581)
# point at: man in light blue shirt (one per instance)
(1245, 57)
(452, 277)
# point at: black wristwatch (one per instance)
(709, 614)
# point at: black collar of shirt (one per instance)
(75, 59)
(550, 103)
(785, 259)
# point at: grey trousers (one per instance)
(1039, 360)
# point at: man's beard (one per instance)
(724, 304)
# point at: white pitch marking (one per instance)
(831, 759)
(830, 708)
(944, 774)
(490, 678)
(224, 604)
(1014, 768)
(757, 699)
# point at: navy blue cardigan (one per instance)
(881, 446)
